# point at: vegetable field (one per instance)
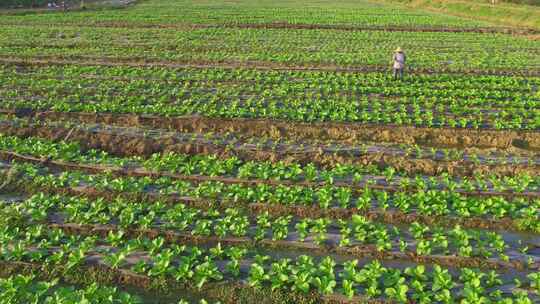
(177, 151)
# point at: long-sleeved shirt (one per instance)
(399, 60)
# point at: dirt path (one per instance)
(345, 132)
(130, 139)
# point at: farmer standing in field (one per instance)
(399, 63)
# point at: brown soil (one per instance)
(126, 146)
(346, 132)
(123, 145)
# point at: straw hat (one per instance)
(399, 50)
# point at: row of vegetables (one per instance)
(374, 280)
(30, 289)
(96, 91)
(354, 232)
(285, 47)
(365, 99)
(244, 12)
(523, 213)
(458, 90)
(156, 258)
(298, 111)
(75, 220)
(214, 166)
(196, 266)
(310, 161)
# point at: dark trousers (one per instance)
(398, 73)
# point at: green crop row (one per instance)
(428, 203)
(360, 13)
(267, 47)
(92, 84)
(29, 289)
(198, 267)
(349, 233)
(213, 166)
(326, 103)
